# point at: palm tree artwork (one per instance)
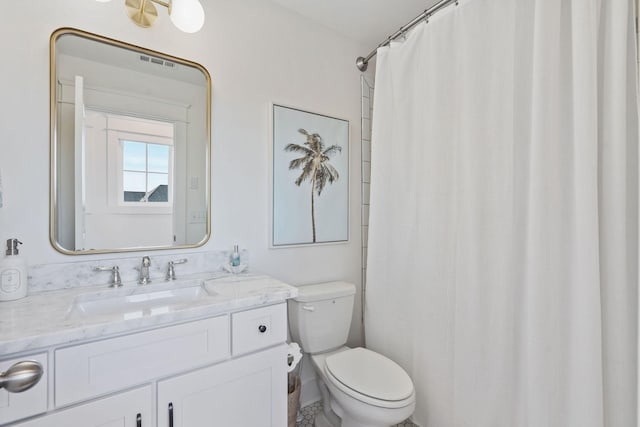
(315, 167)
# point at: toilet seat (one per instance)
(370, 377)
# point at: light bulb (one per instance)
(187, 15)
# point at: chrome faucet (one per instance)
(144, 278)
(115, 281)
(171, 271)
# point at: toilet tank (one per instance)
(320, 316)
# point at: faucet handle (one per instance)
(171, 271)
(116, 280)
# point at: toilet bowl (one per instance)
(366, 388)
(360, 388)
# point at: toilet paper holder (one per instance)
(294, 355)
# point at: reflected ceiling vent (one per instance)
(157, 61)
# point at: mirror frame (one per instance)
(53, 179)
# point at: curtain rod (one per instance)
(363, 62)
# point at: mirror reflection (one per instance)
(130, 145)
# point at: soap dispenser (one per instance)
(235, 256)
(13, 273)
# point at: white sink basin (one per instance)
(140, 301)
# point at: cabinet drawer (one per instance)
(101, 367)
(14, 406)
(258, 328)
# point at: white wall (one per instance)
(638, 49)
(256, 53)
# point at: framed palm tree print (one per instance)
(310, 178)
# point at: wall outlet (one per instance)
(198, 217)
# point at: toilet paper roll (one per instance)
(294, 356)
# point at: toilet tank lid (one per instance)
(324, 291)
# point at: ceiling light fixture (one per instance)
(186, 15)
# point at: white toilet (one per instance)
(360, 388)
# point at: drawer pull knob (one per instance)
(262, 329)
(139, 420)
(21, 376)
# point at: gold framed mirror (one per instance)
(130, 147)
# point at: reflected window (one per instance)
(145, 172)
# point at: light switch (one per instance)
(195, 183)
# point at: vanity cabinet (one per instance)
(226, 370)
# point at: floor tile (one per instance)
(308, 413)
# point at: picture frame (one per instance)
(310, 178)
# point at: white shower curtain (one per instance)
(503, 247)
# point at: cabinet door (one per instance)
(129, 409)
(15, 406)
(250, 391)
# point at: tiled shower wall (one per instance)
(367, 109)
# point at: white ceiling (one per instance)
(368, 21)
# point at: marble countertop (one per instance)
(69, 316)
